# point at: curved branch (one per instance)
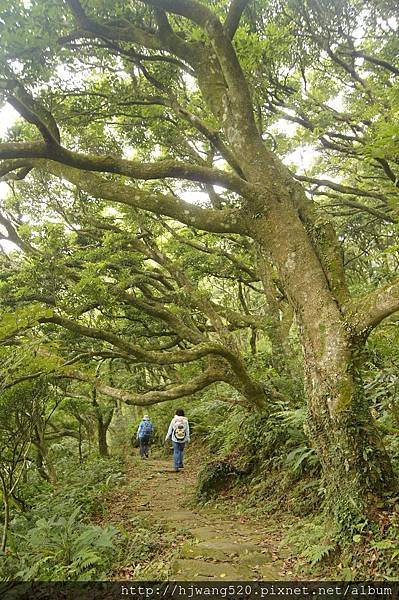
(209, 376)
(159, 312)
(240, 109)
(216, 221)
(12, 236)
(126, 32)
(384, 165)
(169, 38)
(31, 110)
(367, 312)
(373, 60)
(128, 168)
(129, 33)
(368, 209)
(233, 18)
(150, 356)
(339, 187)
(7, 168)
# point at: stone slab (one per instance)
(177, 516)
(219, 549)
(207, 533)
(197, 570)
(269, 572)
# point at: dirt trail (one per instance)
(221, 546)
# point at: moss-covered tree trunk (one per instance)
(102, 428)
(357, 471)
(103, 419)
(44, 464)
(356, 468)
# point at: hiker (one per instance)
(179, 431)
(144, 433)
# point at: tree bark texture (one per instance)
(357, 471)
(102, 429)
(6, 503)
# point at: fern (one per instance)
(64, 548)
(315, 554)
(301, 458)
(313, 540)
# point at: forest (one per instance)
(199, 211)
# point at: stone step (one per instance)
(176, 516)
(198, 570)
(225, 549)
(207, 532)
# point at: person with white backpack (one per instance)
(179, 432)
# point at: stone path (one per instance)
(220, 547)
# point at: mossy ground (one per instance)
(274, 531)
(167, 537)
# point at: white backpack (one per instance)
(179, 430)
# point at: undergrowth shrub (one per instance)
(265, 454)
(64, 548)
(214, 477)
(122, 431)
(87, 484)
(53, 539)
(371, 554)
(148, 548)
(313, 541)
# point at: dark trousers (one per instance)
(178, 449)
(144, 445)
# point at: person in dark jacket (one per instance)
(144, 433)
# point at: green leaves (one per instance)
(12, 323)
(52, 539)
(64, 548)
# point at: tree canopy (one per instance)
(165, 228)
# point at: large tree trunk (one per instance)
(304, 250)
(357, 471)
(356, 468)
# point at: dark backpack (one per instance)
(146, 428)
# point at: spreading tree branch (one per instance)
(216, 221)
(150, 356)
(367, 312)
(118, 166)
(31, 110)
(196, 384)
(234, 15)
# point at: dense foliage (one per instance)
(200, 207)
